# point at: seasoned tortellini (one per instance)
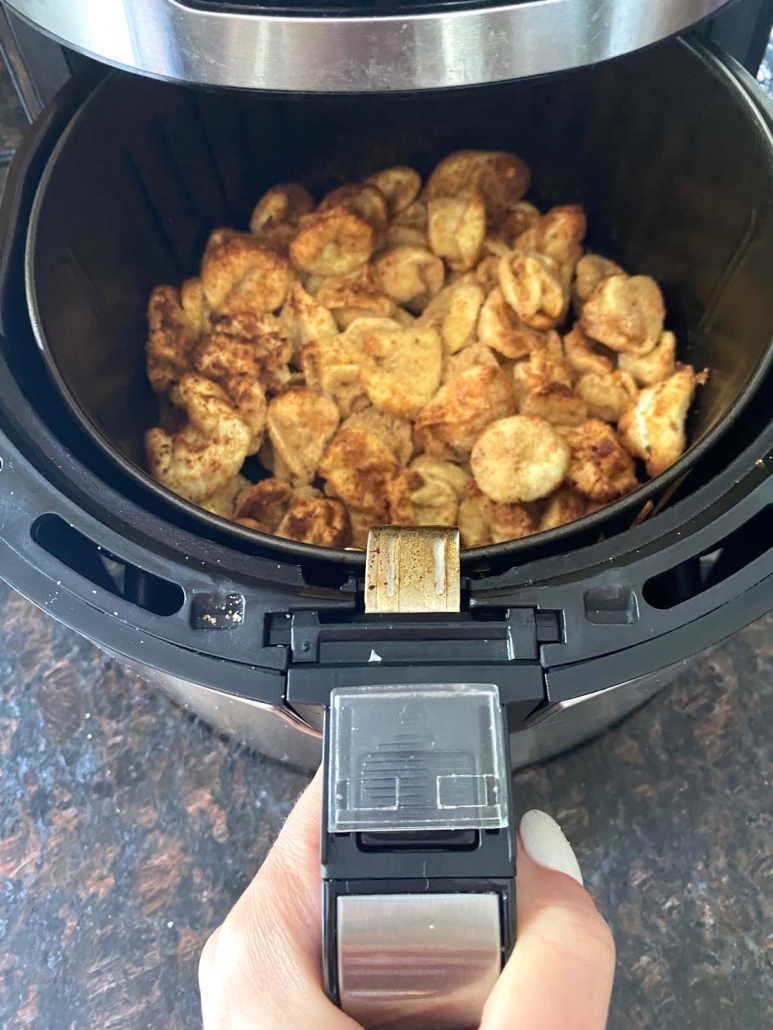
(200, 459)
(412, 353)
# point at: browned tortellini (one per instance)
(376, 361)
(252, 345)
(217, 238)
(363, 200)
(607, 394)
(446, 471)
(361, 524)
(300, 425)
(557, 234)
(562, 507)
(242, 276)
(412, 354)
(194, 304)
(584, 356)
(203, 457)
(316, 520)
(171, 339)
(223, 503)
(495, 246)
(483, 521)
(355, 295)
(332, 242)
(500, 178)
(272, 462)
(358, 466)
(266, 502)
(413, 217)
(454, 313)
(653, 367)
(626, 313)
(411, 276)
(392, 430)
(401, 367)
(456, 227)
(521, 458)
(427, 493)
(461, 409)
(600, 468)
(556, 403)
(404, 236)
(591, 269)
(520, 217)
(248, 397)
(652, 428)
(399, 186)
(276, 215)
(474, 528)
(304, 319)
(284, 203)
(507, 521)
(467, 358)
(535, 287)
(486, 272)
(332, 365)
(500, 328)
(546, 366)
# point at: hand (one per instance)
(261, 970)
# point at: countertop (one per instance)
(128, 829)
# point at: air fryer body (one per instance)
(606, 612)
(272, 732)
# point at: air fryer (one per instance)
(511, 652)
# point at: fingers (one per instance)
(561, 970)
(261, 969)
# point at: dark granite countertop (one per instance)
(127, 830)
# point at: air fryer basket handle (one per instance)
(418, 845)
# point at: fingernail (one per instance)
(546, 844)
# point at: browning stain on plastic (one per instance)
(412, 569)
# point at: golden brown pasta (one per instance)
(521, 458)
(399, 353)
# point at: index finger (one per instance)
(561, 970)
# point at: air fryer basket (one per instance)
(668, 154)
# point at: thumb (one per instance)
(561, 970)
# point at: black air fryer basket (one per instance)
(145, 172)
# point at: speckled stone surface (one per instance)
(127, 830)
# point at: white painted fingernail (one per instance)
(546, 844)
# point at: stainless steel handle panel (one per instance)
(409, 961)
(168, 40)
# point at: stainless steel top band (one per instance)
(255, 50)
